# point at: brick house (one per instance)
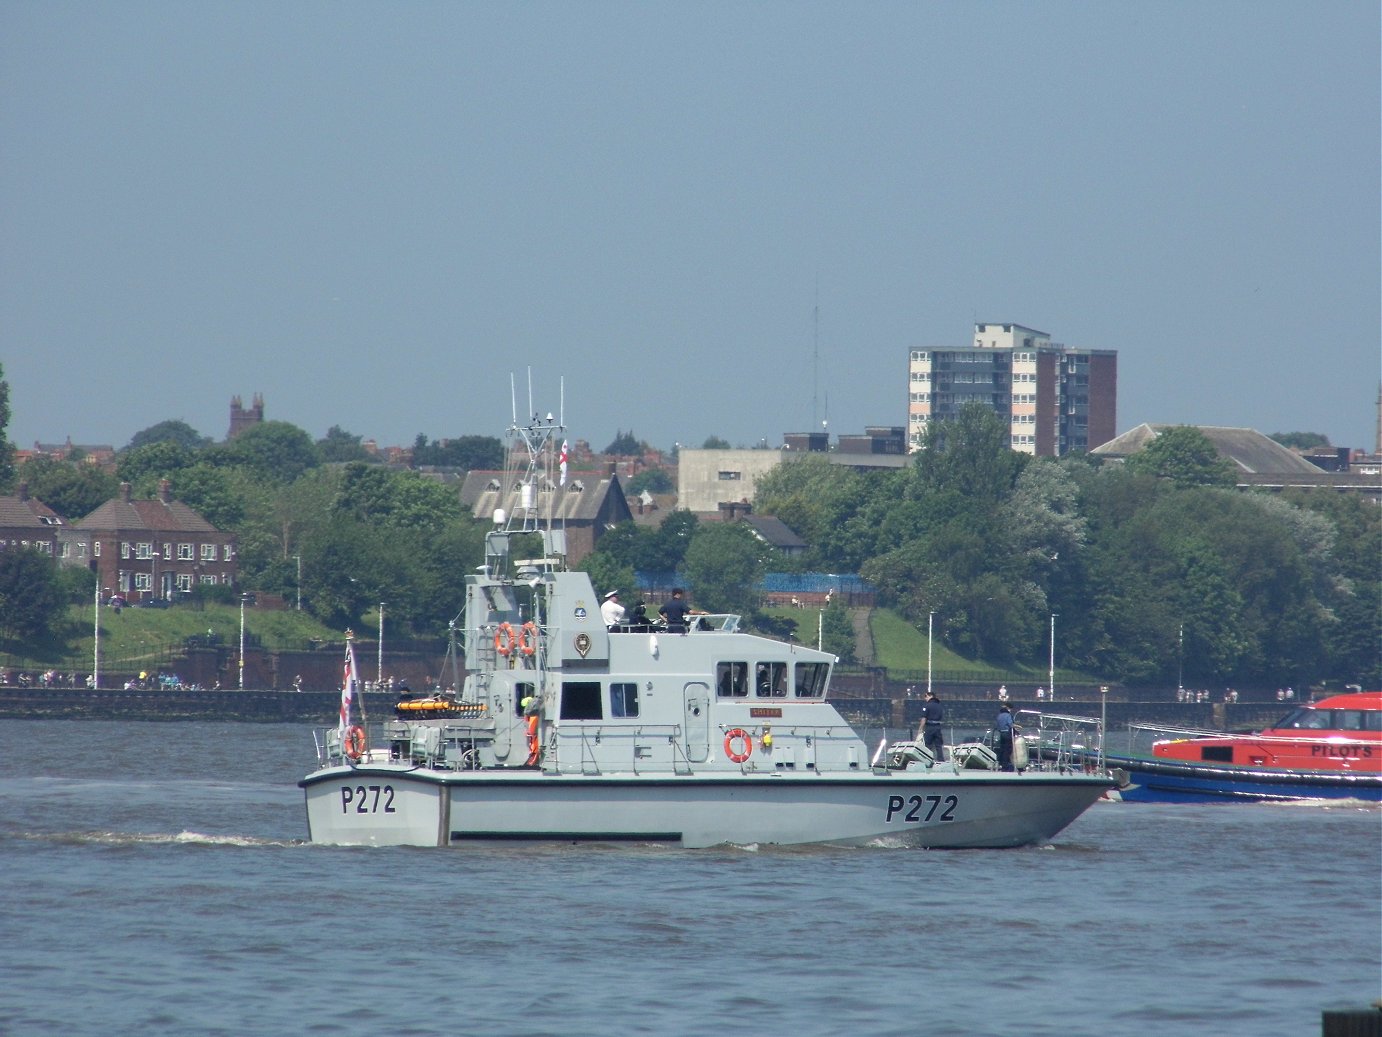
(26, 522)
(151, 548)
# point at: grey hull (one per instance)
(386, 805)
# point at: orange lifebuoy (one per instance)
(504, 639)
(738, 733)
(353, 745)
(527, 638)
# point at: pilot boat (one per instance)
(1329, 749)
(694, 735)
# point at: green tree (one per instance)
(1185, 456)
(724, 565)
(970, 454)
(339, 445)
(73, 490)
(715, 443)
(468, 453)
(654, 480)
(625, 444)
(143, 466)
(275, 451)
(398, 499)
(7, 472)
(218, 495)
(835, 509)
(1301, 440)
(31, 599)
(176, 432)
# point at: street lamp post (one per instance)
(930, 620)
(298, 559)
(96, 641)
(380, 678)
(1051, 673)
(242, 641)
(1180, 660)
(1103, 722)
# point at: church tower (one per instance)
(242, 418)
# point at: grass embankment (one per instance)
(152, 636)
(900, 648)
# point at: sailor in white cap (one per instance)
(611, 611)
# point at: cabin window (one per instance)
(580, 700)
(732, 680)
(1356, 720)
(770, 680)
(623, 700)
(521, 692)
(811, 680)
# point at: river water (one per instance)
(159, 883)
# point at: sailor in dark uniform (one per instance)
(931, 735)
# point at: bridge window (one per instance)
(623, 700)
(732, 680)
(811, 678)
(770, 680)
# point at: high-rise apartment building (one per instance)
(1055, 399)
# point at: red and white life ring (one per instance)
(353, 744)
(738, 734)
(527, 638)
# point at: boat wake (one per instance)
(153, 839)
(1367, 806)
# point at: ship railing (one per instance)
(1061, 742)
(392, 740)
(638, 748)
(642, 747)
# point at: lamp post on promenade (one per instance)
(298, 559)
(930, 620)
(96, 641)
(379, 679)
(242, 641)
(1051, 673)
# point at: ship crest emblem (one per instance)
(582, 643)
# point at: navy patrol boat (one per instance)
(703, 734)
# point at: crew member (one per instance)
(611, 611)
(675, 611)
(932, 715)
(1003, 727)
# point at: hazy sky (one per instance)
(373, 213)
